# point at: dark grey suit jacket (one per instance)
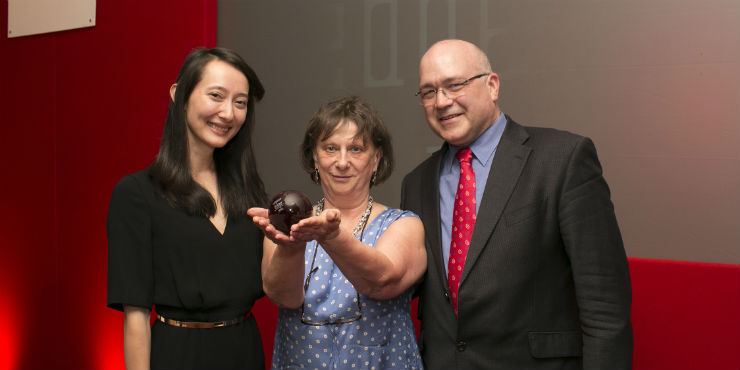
(546, 281)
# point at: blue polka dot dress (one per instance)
(337, 328)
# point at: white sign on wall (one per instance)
(31, 17)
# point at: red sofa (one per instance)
(685, 315)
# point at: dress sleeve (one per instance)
(130, 272)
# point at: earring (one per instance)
(373, 177)
(315, 176)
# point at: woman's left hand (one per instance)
(321, 228)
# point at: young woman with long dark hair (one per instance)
(178, 235)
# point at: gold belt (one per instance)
(201, 324)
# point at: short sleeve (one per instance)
(130, 272)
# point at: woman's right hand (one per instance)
(260, 217)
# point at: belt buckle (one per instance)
(219, 324)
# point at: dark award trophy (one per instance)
(287, 208)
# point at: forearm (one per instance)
(590, 231)
(283, 276)
(386, 270)
(369, 271)
(604, 300)
(282, 265)
(136, 338)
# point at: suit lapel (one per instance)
(508, 162)
(430, 211)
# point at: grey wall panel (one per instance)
(655, 83)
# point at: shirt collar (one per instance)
(484, 146)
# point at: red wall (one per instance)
(79, 109)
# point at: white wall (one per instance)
(655, 83)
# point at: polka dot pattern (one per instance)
(463, 223)
(383, 338)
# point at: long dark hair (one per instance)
(239, 183)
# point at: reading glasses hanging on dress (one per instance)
(314, 317)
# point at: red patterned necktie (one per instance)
(463, 222)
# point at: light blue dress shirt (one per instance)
(483, 148)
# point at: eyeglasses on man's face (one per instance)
(451, 91)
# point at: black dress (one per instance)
(159, 255)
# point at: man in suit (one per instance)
(538, 277)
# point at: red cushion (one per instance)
(685, 315)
